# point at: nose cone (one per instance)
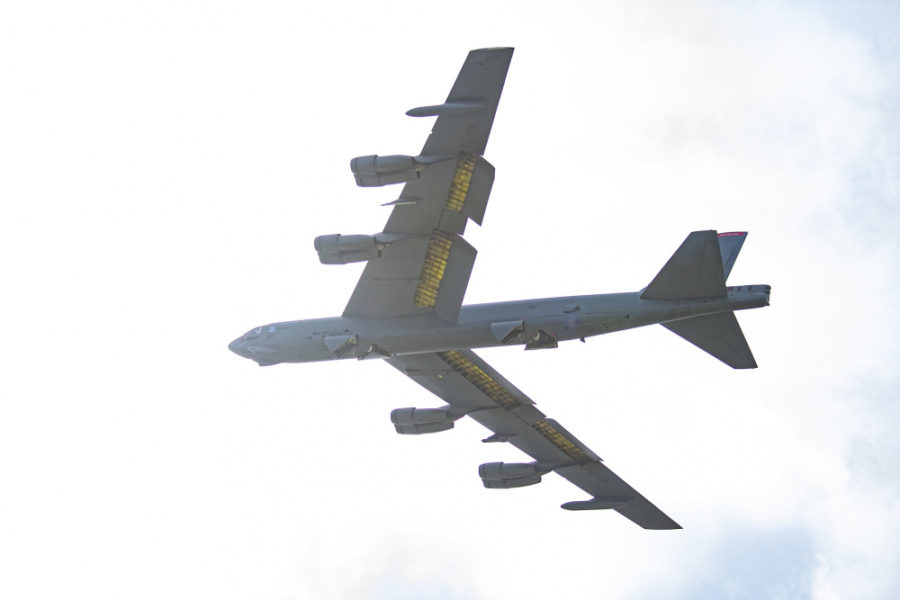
(239, 347)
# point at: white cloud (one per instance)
(166, 168)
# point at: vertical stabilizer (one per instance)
(694, 271)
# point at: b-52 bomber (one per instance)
(407, 307)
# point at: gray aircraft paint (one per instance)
(565, 318)
(407, 306)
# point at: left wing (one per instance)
(424, 263)
(472, 387)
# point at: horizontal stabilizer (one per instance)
(694, 271)
(719, 334)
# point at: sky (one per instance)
(166, 166)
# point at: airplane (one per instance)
(407, 307)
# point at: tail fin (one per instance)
(698, 269)
(694, 271)
(719, 334)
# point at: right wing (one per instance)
(425, 267)
(472, 387)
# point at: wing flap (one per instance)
(388, 283)
(472, 190)
(451, 286)
(422, 202)
(417, 275)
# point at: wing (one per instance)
(425, 266)
(472, 387)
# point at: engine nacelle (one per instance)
(375, 171)
(509, 475)
(505, 484)
(337, 249)
(414, 421)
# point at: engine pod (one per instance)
(503, 484)
(414, 421)
(375, 171)
(505, 471)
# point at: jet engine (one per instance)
(337, 249)
(509, 475)
(414, 421)
(375, 171)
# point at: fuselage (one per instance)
(538, 323)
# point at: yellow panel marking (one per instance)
(439, 245)
(462, 178)
(433, 268)
(493, 390)
(477, 377)
(561, 441)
